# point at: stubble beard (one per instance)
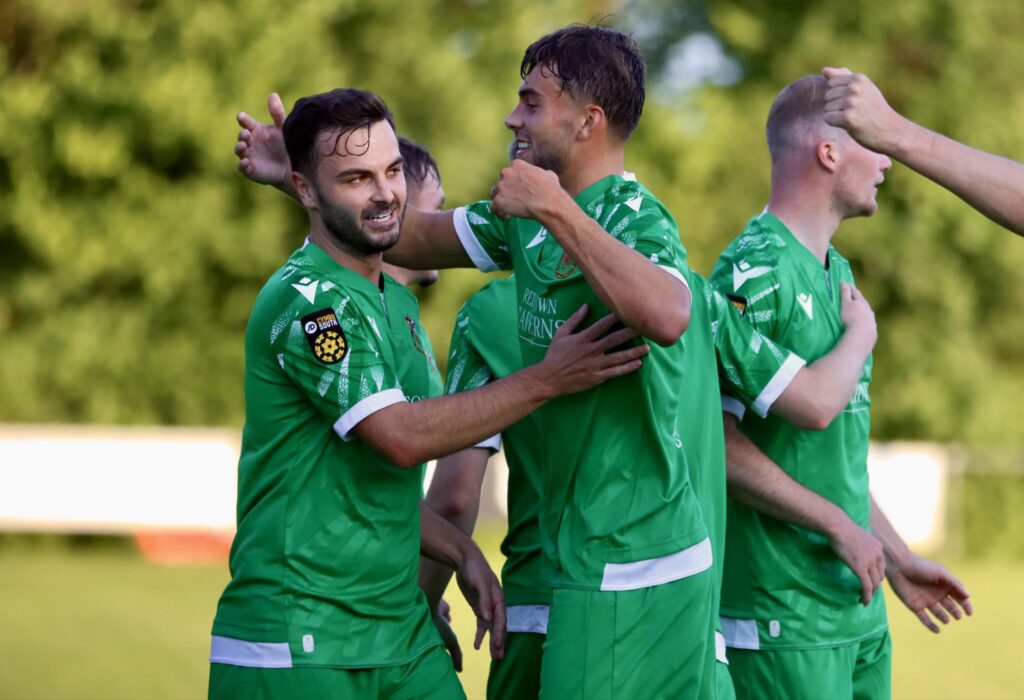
(347, 229)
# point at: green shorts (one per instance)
(724, 689)
(428, 676)
(861, 671)
(646, 643)
(517, 676)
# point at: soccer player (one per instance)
(992, 184)
(795, 616)
(323, 598)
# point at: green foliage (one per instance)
(130, 250)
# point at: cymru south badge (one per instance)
(325, 337)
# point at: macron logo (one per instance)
(743, 272)
(806, 301)
(307, 288)
(635, 203)
(538, 239)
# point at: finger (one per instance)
(938, 612)
(958, 591)
(240, 148)
(619, 370)
(616, 338)
(244, 135)
(481, 629)
(245, 121)
(866, 588)
(845, 292)
(951, 607)
(498, 628)
(599, 327)
(831, 72)
(966, 604)
(276, 109)
(624, 356)
(922, 615)
(573, 322)
(245, 166)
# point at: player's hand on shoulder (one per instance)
(580, 359)
(522, 189)
(856, 313)
(862, 552)
(262, 156)
(929, 590)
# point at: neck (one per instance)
(368, 266)
(805, 206)
(591, 167)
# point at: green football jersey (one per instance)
(784, 587)
(324, 563)
(748, 364)
(618, 505)
(484, 348)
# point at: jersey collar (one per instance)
(587, 196)
(775, 225)
(323, 261)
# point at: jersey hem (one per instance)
(381, 663)
(831, 644)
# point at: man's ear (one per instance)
(304, 188)
(828, 155)
(594, 121)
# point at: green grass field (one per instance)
(105, 624)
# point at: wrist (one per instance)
(905, 137)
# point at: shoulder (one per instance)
(751, 261)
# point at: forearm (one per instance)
(454, 494)
(756, 481)
(820, 391)
(659, 311)
(412, 433)
(992, 184)
(428, 242)
(896, 550)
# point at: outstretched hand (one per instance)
(262, 156)
(926, 587)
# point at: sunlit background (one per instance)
(131, 252)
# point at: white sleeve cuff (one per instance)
(492, 443)
(469, 241)
(777, 385)
(370, 405)
(675, 273)
(733, 406)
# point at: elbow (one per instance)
(401, 453)
(816, 418)
(669, 327)
(453, 504)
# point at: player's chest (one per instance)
(808, 299)
(406, 348)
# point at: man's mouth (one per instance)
(382, 218)
(521, 148)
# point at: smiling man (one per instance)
(323, 598)
(797, 619)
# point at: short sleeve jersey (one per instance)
(484, 348)
(748, 363)
(783, 577)
(326, 553)
(616, 485)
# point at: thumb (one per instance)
(276, 109)
(846, 292)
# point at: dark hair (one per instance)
(600, 64)
(340, 113)
(417, 163)
(798, 113)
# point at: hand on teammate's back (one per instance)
(580, 360)
(482, 591)
(856, 313)
(925, 587)
(262, 156)
(863, 553)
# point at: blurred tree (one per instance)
(131, 251)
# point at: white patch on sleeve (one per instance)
(635, 203)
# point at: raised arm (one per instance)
(923, 585)
(638, 291)
(756, 481)
(822, 389)
(992, 184)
